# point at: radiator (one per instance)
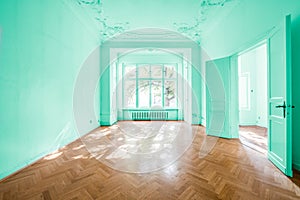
(149, 115)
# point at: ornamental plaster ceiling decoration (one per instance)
(207, 8)
(106, 30)
(191, 18)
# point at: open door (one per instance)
(280, 98)
(222, 97)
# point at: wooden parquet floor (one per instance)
(229, 171)
(254, 137)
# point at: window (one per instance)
(150, 86)
(244, 91)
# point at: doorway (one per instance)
(253, 98)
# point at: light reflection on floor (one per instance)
(140, 147)
(53, 155)
(255, 138)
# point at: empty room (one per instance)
(134, 99)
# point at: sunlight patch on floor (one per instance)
(140, 147)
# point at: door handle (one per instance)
(282, 106)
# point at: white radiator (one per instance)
(149, 115)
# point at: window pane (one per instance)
(144, 94)
(129, 94)
(144, 71)
(130, 71)
(156, 71)
(244, 92)
(170, 94)
(156, 90)
(170, 71)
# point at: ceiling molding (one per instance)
(106, 30)
(194, 31)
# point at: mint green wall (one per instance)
(43, 44)
(86, 97)
(242, 29)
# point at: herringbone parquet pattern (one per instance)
(229, 171)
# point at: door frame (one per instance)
(253, 47)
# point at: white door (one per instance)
(280, 98)
(222, 97)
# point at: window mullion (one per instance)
(148, 82)
(123, 93)
(163, 86)
(176, 91)
(136, 87)
(150, 87)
